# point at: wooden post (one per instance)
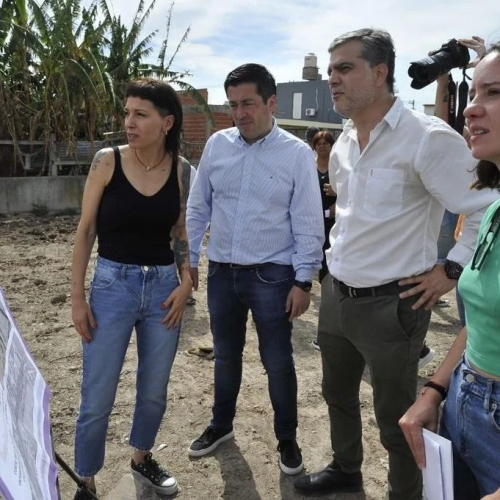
(53, 156)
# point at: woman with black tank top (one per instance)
(134, 202)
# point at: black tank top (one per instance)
(133, 228)
(325, 199)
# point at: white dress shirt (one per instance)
(262, 202)
(391, 198)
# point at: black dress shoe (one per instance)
(330, 480)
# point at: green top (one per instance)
(480, 290)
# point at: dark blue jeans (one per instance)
(232, 292)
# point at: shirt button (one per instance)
(470, 378)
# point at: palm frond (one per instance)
(179, 45)
(164, 44)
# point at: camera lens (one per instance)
(450, 55)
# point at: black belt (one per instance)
(391, 288)
(231, 265)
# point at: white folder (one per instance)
(438, 471)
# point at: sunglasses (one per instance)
(484, 246)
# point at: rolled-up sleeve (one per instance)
(306, 217)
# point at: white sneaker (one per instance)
(426, 356)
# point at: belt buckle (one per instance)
(352, 292)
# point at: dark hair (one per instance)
(377, 47)
(324, 134)
(253, 73)
(310, 133)
(166, 101)
(487, 173)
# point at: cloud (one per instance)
(279, 34)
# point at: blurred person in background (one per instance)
(322, 144)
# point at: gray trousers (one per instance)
(385, 334)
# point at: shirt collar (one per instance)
(266, 140)
(391, 117)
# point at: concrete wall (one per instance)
(22, 194)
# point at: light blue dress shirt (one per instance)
(262, 202)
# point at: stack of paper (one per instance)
(438, 471)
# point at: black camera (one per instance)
(450, 55)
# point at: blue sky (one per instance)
(279, 33)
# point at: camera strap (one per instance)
(456, 117)
(452, 101)
(463, 95)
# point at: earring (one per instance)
(166, 132)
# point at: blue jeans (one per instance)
(263, 291)
(446, 240)
(122, 297)
(471, 420)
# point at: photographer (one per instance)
(441, 110)
(441, 105)
(446, 239)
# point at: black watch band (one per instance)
(304, 285)
(452, 269)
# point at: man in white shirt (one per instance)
(394, 171)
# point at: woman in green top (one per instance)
(471, 415)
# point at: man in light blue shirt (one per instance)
(257, 187)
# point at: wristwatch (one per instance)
(303, 285)
(452, 269)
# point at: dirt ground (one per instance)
(35, 265)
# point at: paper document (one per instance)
(438, 471)
(27, 467)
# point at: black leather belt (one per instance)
(391, 288)
(241, 266)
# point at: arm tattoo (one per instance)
(180, 244)
(181, 249)
(97, 159)
(445, 98)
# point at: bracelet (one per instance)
(437, 387)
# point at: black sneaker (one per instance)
(83, 494)
(209, 441)
(290, 457)
(316, 345)
(149, 472)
